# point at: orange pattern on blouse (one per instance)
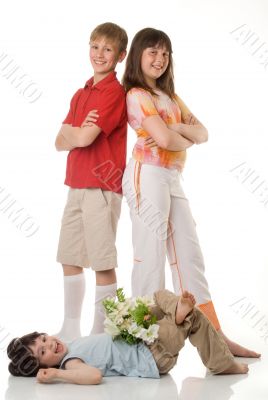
(141, 104)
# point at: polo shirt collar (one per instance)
(109, 78)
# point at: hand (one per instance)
(149, 142)
(190, 120)
(46, 375)
(90, 118)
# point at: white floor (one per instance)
(189, 380)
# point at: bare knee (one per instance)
(71, 270)
(107, 277)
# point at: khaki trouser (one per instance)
(211, 347)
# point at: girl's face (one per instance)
(154, 62)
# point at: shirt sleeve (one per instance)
(183, 107)
(140, 105)
(111, 110)
(70, 116)
(68, 358)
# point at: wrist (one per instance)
(58, 373)
(180, 128)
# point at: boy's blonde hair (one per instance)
(113, 33)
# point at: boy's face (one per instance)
(104, 56)
(49, 350)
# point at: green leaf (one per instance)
(127, 337)
(139, 312)
(120, 295)
(109, 305)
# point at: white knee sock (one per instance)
(74, 291)
(101, 293)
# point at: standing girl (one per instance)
(162, 222)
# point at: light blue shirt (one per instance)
(113, 357)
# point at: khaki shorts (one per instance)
(88, 229)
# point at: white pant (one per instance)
(162, 224)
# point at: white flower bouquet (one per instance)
(130, 319)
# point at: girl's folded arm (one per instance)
(193, 130)
(190, 128)
(165, 138)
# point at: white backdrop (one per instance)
(221, 71)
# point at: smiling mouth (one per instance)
(157, 67)
(58, 347)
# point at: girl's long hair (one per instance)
(133, 76)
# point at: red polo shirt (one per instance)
(102, 163)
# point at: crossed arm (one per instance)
(70, 137)
(176, 137)
(191, 128)
(76, 372)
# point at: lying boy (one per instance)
(86, 360)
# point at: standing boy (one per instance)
(95, 165)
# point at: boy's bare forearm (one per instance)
(76, 372)
(62, 144)
(80, 137)
(70, 134)
(79, 376)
